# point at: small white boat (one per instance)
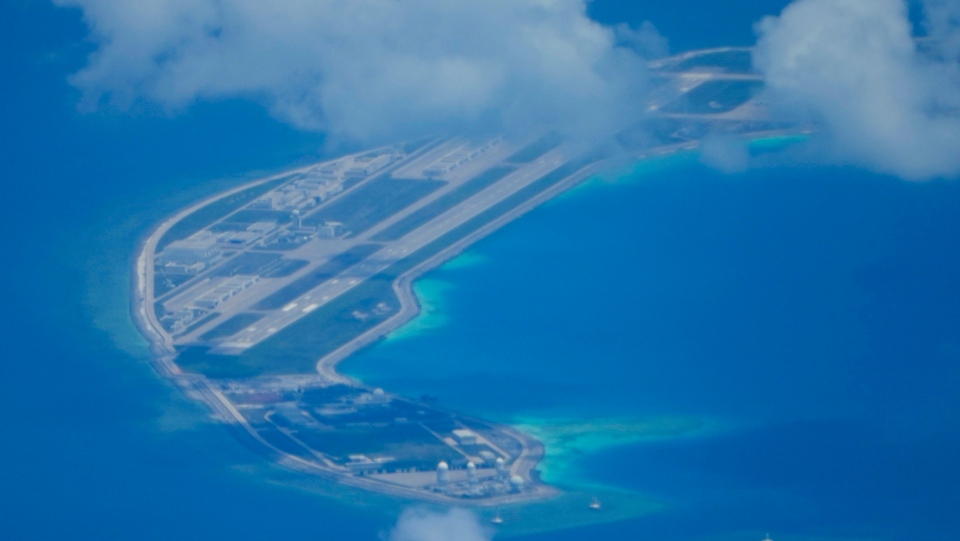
(496, 518)
(594, 504)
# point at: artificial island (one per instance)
(252, 297)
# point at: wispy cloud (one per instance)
(421, 524)
(854, 68)
(373, 69)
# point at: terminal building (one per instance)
(192, 254)
(457, 157)
(304, 193)
(224, 291)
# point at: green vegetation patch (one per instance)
(714, 97)
(198, 359)
(402, 441)
(283, 442)
(373, 202)
(297, 348)
(444, 203)
(215, 211)
(536, 149)
(321, 274)
(317, 396)
(231, 326)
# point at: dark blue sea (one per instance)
(776, 350)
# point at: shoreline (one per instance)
(199, 387)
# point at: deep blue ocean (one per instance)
(802, 325)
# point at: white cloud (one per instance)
(725, 154)
(854, 67)
(373, 69)
(420, 524)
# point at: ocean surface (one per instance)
(773, 350)
(777, 350)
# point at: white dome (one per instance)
(516, 480)
(378, 392)
(443, 466)
(471, 466)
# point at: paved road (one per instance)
(390, 254)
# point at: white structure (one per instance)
(471, 473)
(457, 157)
(443, 473)
(224, 291)
(465, 437)
(330, 230)
(320, 188)
(199, 248)
(516, 483)
(501, 467)
(297, 224)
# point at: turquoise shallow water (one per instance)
(776, 349)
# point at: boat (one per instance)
(496, 518)
(594, 503)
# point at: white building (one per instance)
(330, 230)
(199, 248)
(224, 291)
(465, 437)
(443, 473)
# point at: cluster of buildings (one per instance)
(205, 248)
(300, 194)
(224, 291)
(477, 483)
(207, 301)
(322, 182)
(457, 157)
(324, 230)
